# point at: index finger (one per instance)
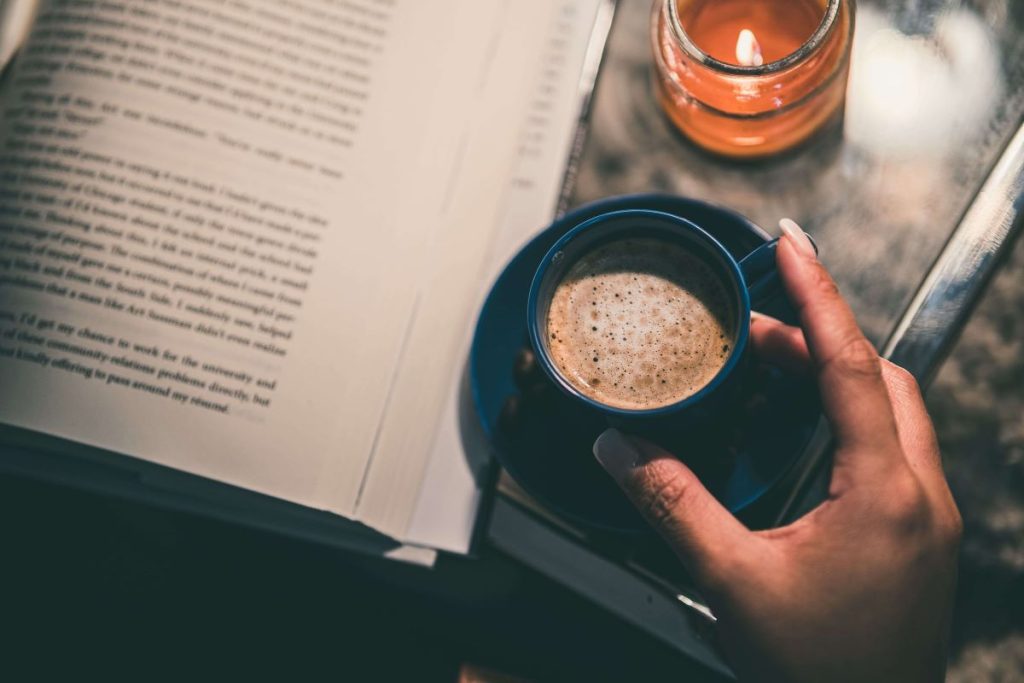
(849, 370)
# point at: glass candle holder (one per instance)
(751, 78)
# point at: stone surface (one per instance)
(977, 402)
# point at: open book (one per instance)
(247, 240)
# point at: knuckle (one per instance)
(857, 357)
(660, 495)
(902, 378)
(824, 286)
(904, 504)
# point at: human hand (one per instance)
(859, 589)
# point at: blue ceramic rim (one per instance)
(677, 204)
(616, 201)
(743, 313)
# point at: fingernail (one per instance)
(755, 316)
(616, 453)
(800, 239)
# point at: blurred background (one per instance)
(977, 403)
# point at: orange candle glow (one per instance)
(749, 78)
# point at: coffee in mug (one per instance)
(641, 323)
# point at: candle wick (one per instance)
(748, 50)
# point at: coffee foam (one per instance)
(640, 324)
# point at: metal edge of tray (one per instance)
(937, 314)
(920, 342)
(620, 589)
(942, 305)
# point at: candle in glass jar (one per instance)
(748, 78)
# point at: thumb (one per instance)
(705, 536)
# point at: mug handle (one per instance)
(767, 295)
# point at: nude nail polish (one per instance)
(616, 453)
(800, 239)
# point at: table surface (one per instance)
(936, 91)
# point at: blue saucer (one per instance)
(544, 441)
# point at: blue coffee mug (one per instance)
(753, 281)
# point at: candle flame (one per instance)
(748, 50)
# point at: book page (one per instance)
(451, 265)
(213, 218)
(445, 514)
